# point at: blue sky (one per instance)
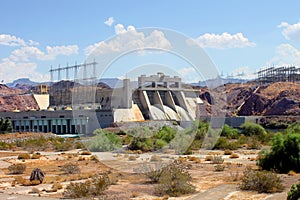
(238, 36)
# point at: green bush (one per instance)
(149, 140)
(166, 133)
(229, 132)
(261, 181)
(284, 155)
(201, 129)
(224, 143)
(17, 168)
(104, 141)
(251, 129)
(293, 128)
(174, 180)
(294, 193)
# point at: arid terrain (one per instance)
(126, 170)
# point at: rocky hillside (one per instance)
(281, 98)
(16, 99)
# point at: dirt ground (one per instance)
(131, 184)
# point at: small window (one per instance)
(43, 116)
(61, 116)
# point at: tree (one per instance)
(5, 126)
(284, 155)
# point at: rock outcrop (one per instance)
(280, 98)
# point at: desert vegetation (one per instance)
(244, 158)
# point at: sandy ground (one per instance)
(209, 183)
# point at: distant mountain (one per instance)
(217, 82)
(24, 83)
(112, 82)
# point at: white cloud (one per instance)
(26, 53)
(286, 54)
(62, 50)
(10, 71)
(109, 21)
(290, 31)
(189, 75)
(243, 73)
(11, 40)
(129, 41)
(19, 64)
(223, 41)
(119, 28)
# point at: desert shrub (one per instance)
(292, 173)
(196, 144)
(254, 143)
(234, 155)
(155, 158)
(113, 178)
(24, 156)
(104, 141)
(99, 184)
(94, 158)
(229, 132)
(202, 129)
(261, 181)
(219, 168)
(174, 180)
(209, 158)
(251, 129)
(17, 168)
(159, 144)
(294, 192)
(77, 190)
(217, 160)
(224, 143)
(5, 146)
(95, 187)
(62, 144)
(86, 153)
(293, 128)
(144, 144)
(70, 168)
(166, 133)
(284, 154)
(154, 174)
(227, 152)
(131, 158)
(36, 155)
(56, 186)
(79, 145)
(34, 191)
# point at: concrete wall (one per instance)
(42, 100)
